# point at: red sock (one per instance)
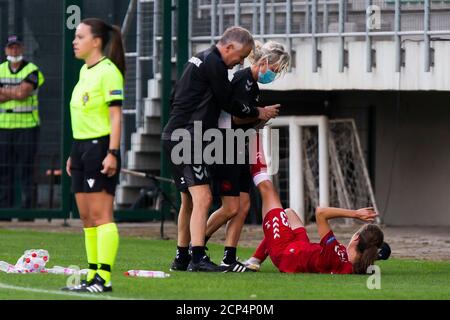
(261, 251)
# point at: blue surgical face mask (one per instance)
(266, 77)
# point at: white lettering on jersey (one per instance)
(341, 253)
(196, 61)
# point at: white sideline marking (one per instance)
(61, 293)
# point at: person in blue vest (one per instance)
(20, 81)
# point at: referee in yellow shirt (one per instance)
(94, 162)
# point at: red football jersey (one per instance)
(291, 251)
(328, 256)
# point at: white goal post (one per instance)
(340, 176)
(296, 181)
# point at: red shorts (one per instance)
(294, 258)
(280, 238)
(278, 233)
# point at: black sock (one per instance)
(229, 255)
(182, 253)
(206, 239)
(198, 253)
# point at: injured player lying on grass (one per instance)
(287, 243)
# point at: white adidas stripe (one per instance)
(239, 268)
(95, 288)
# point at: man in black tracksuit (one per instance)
(201, 93)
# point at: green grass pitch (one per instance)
(400, 279)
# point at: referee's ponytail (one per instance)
(112, 44)
(116, 52)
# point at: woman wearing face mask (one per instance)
(232, 181)
(20, 82)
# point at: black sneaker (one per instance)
(205, 265)
(83, 284)
(96, 286)
(234, 267)
(179, 265)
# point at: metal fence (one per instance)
(30, 168)
(38, 188)
(324, 20)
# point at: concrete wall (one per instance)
(355, 77)
(413, 160)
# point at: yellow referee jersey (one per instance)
(97, 87)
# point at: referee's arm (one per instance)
(113, 94)
(115, 114)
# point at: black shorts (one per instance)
(86, 165)
(231, 179)
(186, 175)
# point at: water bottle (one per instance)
(65, 271)
(6, 267)
(60, 270)
(147, 274)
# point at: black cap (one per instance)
(384, 252)
(13, 39)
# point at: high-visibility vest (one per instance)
(19, 113)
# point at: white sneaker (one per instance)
(252, 263)
(235, 267)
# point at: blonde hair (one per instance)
(274, 52)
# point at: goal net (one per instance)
(349, 185)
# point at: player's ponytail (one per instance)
(370, 240)
(111, 36)
(257, 53)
